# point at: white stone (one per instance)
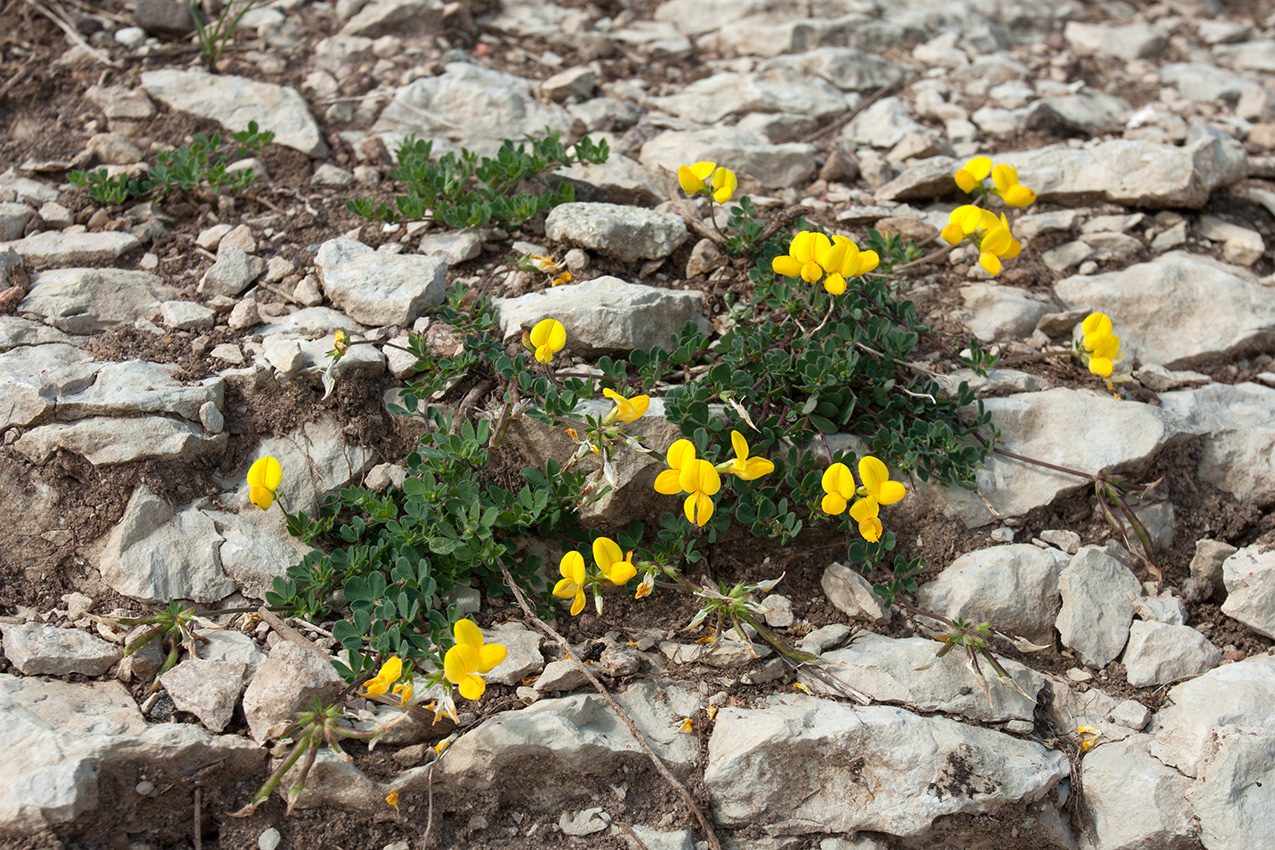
(34, 377)
(292, 678)
(1015, 587)
(37, 649)
(628, 234)
(1178, 309)
(1249, 575)
(131, 387)
(376, 288)
(523, 658)
(605, 314)
(85, 301)
(851, 594)
(207, 689)
(61, 249)
(1158, 654)
(1098, 595)
(1134, 800)
(1236, 424)
(751, 157)
(1240, 245)
(105, 441)
(1001, 313)
(186, 315)
(881, 768)
(234, 101)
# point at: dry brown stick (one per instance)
(885, 90)
(467, 403)
(615, 706)
(287, 632)
(75, 37)
(692, 219)
(18, 76)
(199, 832)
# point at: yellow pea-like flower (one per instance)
(548, 337)
(842, 259)
(724, 185)
(973, 173)
(745, 467)
(571, 585)
(470, 657)
(264, 477)
(615, 565)
(385, 677)
(1007, 186)
(802, 259)
(627, 410)
(692, 177)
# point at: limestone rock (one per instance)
(59, 250)
(1098, 595)
(396, 17)
(1001, 313)
(234, 101)
(105, 441)
(234, 271)
(1015, 587)
(882, 769)
(472, 107)
(1158, 653)
(34, 377)
(1136, 801)
(1237, 790)
(1236, 423)
(37, 649)
(85, 301)
(292, 678)
(1249, 575)
(628, 234)
(851, 594)
(523, 657)
(207, 689)
(380, 289)
(780, 89)
(604, 315)
(156, 554)
(751, 157)
(133, 387)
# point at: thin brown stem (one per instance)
(637, 733)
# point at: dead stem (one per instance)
(615, 706)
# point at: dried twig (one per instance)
(199, 832)
(71, 33)
(287, 632)
(884, 91)
(615, 706)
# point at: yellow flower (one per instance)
(724, 185)
(548, 338)
(565, 277)
(264, 477)
(802, 259)
(688, 725)
(571, 585)
(997, 243)
(470, 657)
(973, 173)
(645, 586)
(627, 410)
(705, 178)
(743, 466)
(386, 676)
(843, 259)
(404, 691)
(392, 798)
(615, 565)
(340, 342)
(1006, 179)
(541, 263)
(1088, 737)
(1101, 345)
(962, 221)
(687, 474)
(877, 490)
(692, 177)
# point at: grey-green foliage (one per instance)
(465, 190)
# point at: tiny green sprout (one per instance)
(173, 627)
(975, 641)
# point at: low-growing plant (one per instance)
(201, 166)
(213, 37)
(465, 190)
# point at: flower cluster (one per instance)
(987, 230)
(706, 178)
(462, 663)
(1004, 179)
(614, 567)
(984, 228)
(877, 490)
(812, 254)
(701, 480)
(1099, 347)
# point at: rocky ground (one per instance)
(149, 353)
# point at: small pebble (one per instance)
(145, 788)
(269, 840)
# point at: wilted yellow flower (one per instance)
(973, 173)
(264, 477)
(392, 798)
(1006, 179)
(548, 337)
(711, 711)
(627, 410)
(688, 725)
(340, 342)
(843, 259)
(615, 565)
(469, 657)
(571, 585)
(743, 466)
(565, 277)
(541, 263)
(802, 259)
(386, 676)
(404, 691)
(1088, 737)
(645, 586)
